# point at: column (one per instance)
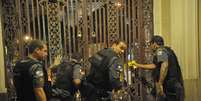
(199, 30)
(184, 35)
(2, 66)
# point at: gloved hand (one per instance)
(132, 64)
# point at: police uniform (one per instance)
(66, 73)
(104, 78)
(160, 56)
(173, 83)
(77, 71)
(28, 74)
(114, 73)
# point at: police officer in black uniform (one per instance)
(166, 72)
(30, 75)
(68, 78)
(104, 75)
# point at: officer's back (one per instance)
(104, 73)
(174, 71)
(174, 67)
(64, 76)
(23, 79)
(29, 76)
(68, 78)
(99, 75)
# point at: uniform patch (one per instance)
(119, 68)
(159, 52)
(161, 55)
(39, 73)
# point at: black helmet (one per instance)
(158, 40)
(77, 56)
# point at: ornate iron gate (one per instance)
(84, 26)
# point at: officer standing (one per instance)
(104, 75)
(166, 72)
(68, 78)
(29, 74)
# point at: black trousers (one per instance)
(177, 95)
(98, 97)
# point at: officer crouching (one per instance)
(68, 79)
(104, 74)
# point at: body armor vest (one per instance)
(23, 80)
(99, 73)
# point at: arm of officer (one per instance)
(114, 74)
(38, 82)
(134, 64)
(77, 75)
(146, 66)
(40, 94)
(163, 71)
(162, 56)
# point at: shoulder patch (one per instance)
(160, 52)
(39, 73)
(34, 67)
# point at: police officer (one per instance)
(30, 75)
(166, 72)
(104, 75)
(68, 78)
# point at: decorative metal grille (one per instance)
(10, 26)
(84, 26)
(54, 31)
(112, 21)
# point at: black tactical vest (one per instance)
(64, 77)
(99, 72)
(23, 80)
(174, 72)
